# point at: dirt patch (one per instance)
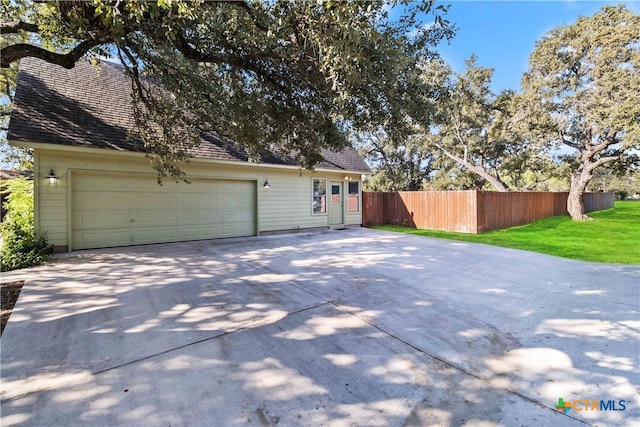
(9, 295)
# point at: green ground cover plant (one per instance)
(21, 246)
(612, 236)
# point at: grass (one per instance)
(613, 236)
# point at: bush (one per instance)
(22, 246)
(622, 195)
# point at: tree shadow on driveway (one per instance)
(359, 327)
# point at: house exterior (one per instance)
(95, 188)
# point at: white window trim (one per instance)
(326, 207)
(359, 198)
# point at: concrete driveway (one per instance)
(354, 327)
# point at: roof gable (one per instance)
(92, 107)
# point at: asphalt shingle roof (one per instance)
(11, 174)
(89, 107)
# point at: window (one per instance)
(319, 199)
(353, 197)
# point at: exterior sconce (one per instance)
(52, 178)
(266, 186)
(347, 178)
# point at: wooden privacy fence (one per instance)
(469, 211)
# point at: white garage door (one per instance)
(114, 210)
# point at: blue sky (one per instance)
(502, 34)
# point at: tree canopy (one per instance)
(12, 157)
(473, 128)
(276, 77)
(582, 90)
(464, 137)
(396, 166)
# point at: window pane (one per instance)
(353, 199)
(319, 196)
(353, 188)
(335, 194)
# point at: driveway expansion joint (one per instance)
(452, 364)
(498, 330)
(253, 325)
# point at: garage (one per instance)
(95, 187)
(110, 210)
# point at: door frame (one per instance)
(340, 224)
(73, 173)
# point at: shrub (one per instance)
(22, 245)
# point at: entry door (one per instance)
(336, 205)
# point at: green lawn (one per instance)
(613, 236)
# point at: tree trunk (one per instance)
(575, 201)
(581, 178)
(495, 181)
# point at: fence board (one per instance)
(469, 211)
(372, 209)
(598, 201)
(504, 210)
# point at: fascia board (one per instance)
(138, 155)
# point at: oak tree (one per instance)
(397, 165)
(11, 157)
(471, 126)
(280, 77)
(582, 91)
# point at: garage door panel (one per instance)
(228, 200)
(244, 229)
(169, 233)
(227, 230)
(113, 238)
(210, 231)
(112, 210)
(169, 201)
(116, 183)
(190, 217)
(88, 201)
(210, 216)
(191, 200)
(143, 219)
(209, 201)
(168, 218)
(190, 232)
(144, 201)
(145, 236)
(98, 220)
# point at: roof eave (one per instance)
(140, 155)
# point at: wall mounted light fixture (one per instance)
(266, 186)
(347, 178)
(52, 178)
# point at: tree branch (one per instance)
(599, 162)
(478, 170)
(15, 26)
(601, 146)
(194, 54)
(7, 90)
(245, 6)
(244, 60)
(246, 63)
(570, 143)
(133, 73)
(18, 51)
